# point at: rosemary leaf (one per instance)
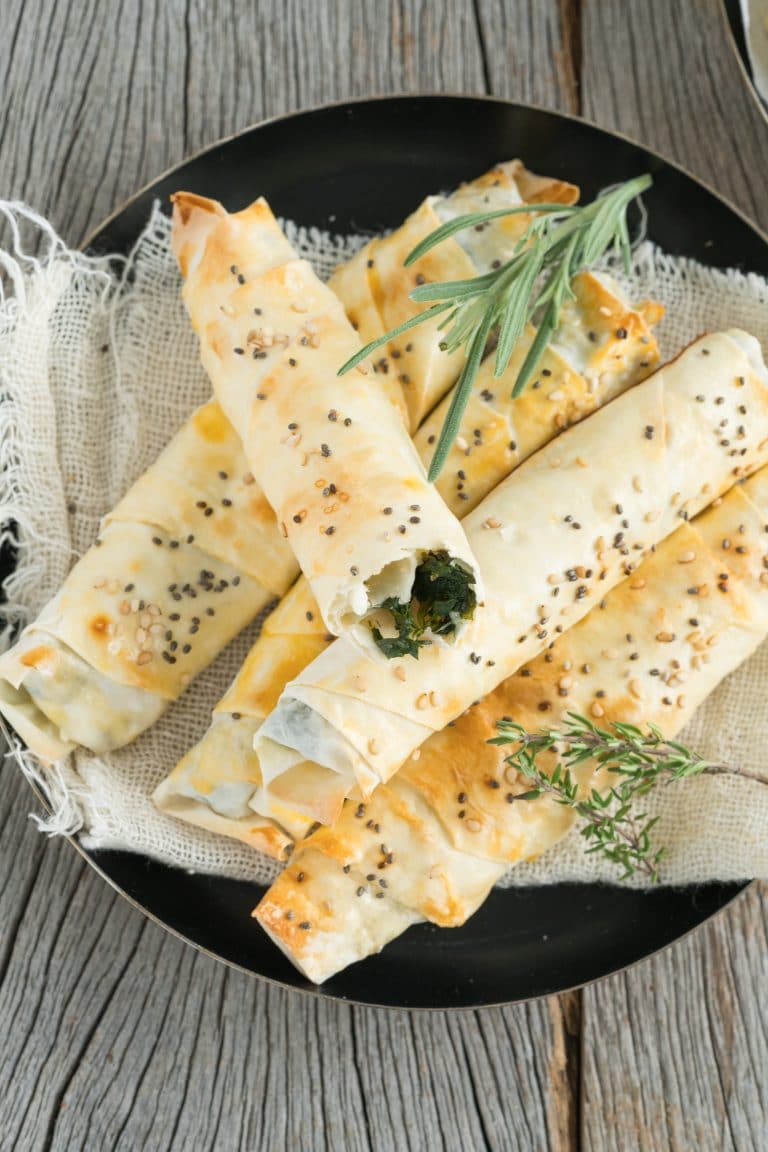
(530, 287)
(364, 353)
(470, 220)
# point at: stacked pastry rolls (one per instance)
(129, 628)
(432, 842)
(217, 783)
(551, 540)
(329, 454)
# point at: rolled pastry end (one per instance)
(304, 908)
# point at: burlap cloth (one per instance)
(99, 366)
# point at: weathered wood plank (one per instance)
(672, 1049)
(115, 93)
(533, 51)
(665, 74)
(116, 1035)
(675, 1050)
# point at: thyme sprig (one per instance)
(612, 826)
(529, 287)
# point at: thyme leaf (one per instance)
(612, 825)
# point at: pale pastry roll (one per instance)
(601, 346)
(622, 352)
(650, 654)
(551, 540)
(212, 785)
(375, 285)
(187, 558)
(332, 455)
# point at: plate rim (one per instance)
(317, 990)
(92, 236)
(356, 101)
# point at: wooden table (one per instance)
(114, 1034)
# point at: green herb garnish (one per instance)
(530, 287)
(443, 593)
(611, 824)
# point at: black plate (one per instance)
(366, 165)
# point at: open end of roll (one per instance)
(442, 596)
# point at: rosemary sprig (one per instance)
(529, 287)
(611, 824)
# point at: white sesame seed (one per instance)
(144, 657)
(637, 483)
(597, 709)
(373, 746)
(636, 689)
(473, 825)
(686, 557)
(400, 671)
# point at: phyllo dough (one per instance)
(578, 380)
(375, 285)
(650, 653)
(183, 563)
(551, 540)
(332, 455)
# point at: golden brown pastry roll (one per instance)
(375, 286)
(187, 558)
(437, 837)
(330, 454)
(551, 540)
(580, 374)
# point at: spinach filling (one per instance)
(443, 593)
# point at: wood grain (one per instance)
(665, 74)
(674, 1050)
(114, 1034)
(117, 1036)
(533, 51)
